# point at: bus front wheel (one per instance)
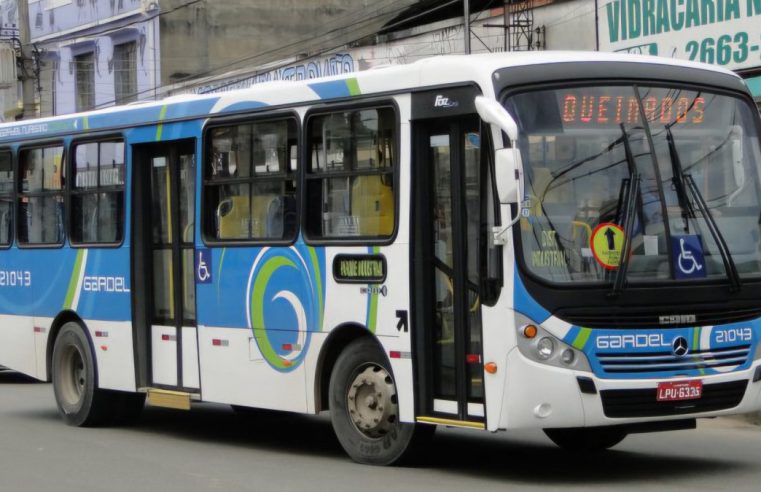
(586, 439)
(79, 401)
(364, 408)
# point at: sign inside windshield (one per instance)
(607, 243)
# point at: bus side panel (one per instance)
(256, 317)
(396, 306)
(17, 344)
(101, 296)
(372, 306)
(32, 284)
(112, 342)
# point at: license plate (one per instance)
(680, 390)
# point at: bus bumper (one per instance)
(542, 396)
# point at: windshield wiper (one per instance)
(726, 256)
(678, 178)
(630, 202)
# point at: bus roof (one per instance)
(441, 70)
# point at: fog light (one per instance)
(568, 357)
(545, 348)
(530, 331)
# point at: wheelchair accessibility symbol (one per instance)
(688, 252)
(203, 266)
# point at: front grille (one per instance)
(617, 363)
(604, 317)
(644, 403)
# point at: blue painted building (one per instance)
(95, 53)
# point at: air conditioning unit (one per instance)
(8, 76)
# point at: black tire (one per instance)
(586, 439)
(79, 401)
(389, 440)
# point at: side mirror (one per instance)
(507, 169)
(507, 162)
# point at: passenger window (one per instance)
(97, 197)
(6, 198)
(350, 180)
(250, 186)
(41, 201)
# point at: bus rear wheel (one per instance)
(364, 407)
(79, 401)
(586, 439)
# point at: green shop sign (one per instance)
(719, 32)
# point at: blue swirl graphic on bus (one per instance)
(285, 303)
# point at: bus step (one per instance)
(451, 423)
(169, 399)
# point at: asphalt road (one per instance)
(211, 448)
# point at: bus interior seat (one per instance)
(266, 216)
(372, 200)
(233, 217)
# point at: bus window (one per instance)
(250, 189)
(41, 198)
(97, 199)
(350, 180)
(6, 197)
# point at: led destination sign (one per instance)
(361, 269)
(595, 109)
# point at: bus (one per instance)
(561, 241)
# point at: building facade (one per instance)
(94, 53)
(97, 53)
(723, 33)
(10, 87)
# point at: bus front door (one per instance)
(164, 211)
(447, 310)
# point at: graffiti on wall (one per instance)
(335, 64)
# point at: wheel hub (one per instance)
(74, 376)
(372, 402)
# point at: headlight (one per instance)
(568, 357)
(537, 344)
(545, 348)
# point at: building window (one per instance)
(250, 185)
(41, 199)
(97, 197)
(6, 197)
(125, 73)
(350, 180)
(85, 68)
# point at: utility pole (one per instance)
(27, 68)
(467, 26)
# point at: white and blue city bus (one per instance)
(561, 241)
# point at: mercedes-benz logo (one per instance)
(679, 347)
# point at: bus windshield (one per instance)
(694, 212)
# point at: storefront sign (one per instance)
(719, 32)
